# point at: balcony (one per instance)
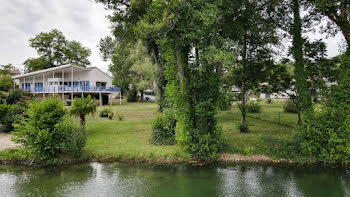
(67, 89)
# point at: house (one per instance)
(69, 81)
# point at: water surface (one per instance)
(120, 179)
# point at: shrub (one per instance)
(110, 115)
(252, 107)
(120, 116)
(163, 129)
(132, 95)
(13, 114)
(243, 127)
(269, 100)
(290, 107)
(48, 132)
(325, 133)
(104, 113)
(13, 97)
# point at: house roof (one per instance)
(58, 68)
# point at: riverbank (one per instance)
(128, 140)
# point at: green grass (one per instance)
(251, 142)
(129, 139)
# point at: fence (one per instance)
(282, 118)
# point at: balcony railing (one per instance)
(67, 89)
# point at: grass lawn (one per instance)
(129, 139)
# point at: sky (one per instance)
(81, 20)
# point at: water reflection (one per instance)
(117, 179)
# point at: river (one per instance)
(123, 179)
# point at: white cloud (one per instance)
(81, 20)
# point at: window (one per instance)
(100, 84)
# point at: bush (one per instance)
(243, 127)
(110, 115)
(325, 133)
(13, 97)
(104, 113)
(132, 95)
(48, 132)
(163, 129)
(120, 116)
(13, 114)
(252, 107)
(269, 101)
(290, 107)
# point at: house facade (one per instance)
(68, 81)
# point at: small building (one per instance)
(69, 81)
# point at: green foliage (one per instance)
(252, 107)
(104, 112)
(55, 50)
(120, 116)
(142, 70)
(14, 97)
(48, 132)
(2, 97)
(163, 129)
(325, 133)
(243, 127)
(6, 82)
(3, 110)
(290, 107)
(132, 95)
(110, 115)
(82, 107)
(225, 101)
(269, 101)
(13, 115)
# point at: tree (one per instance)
(4, 69)
(142, 69)
(6, 82)
(128, 20)
(120, 67)
(304, 99)
(55, 50)
(82, 107)
(251, 27)
(338, 12)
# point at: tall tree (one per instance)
(55, 50)
(304, 98)
(142, 69)
(124, 19)
(338, 11)
(252, 28)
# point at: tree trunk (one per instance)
(82, 120)
(243, 88)
(179, 61)
(243, 102)
(304, 98)
(142, 93)
(161, 83)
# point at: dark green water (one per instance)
(116, 179)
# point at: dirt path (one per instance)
(5, 142)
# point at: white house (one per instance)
(68, 81)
